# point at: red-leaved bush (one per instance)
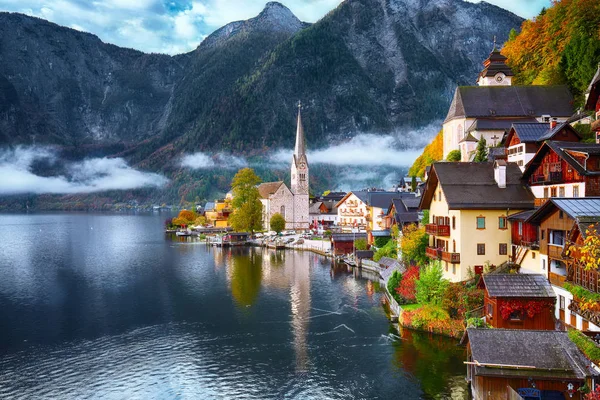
(406, 289)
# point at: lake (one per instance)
(107, 306)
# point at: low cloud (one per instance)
(219, 160)
(91, 175)
(397, 150)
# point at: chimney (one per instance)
(500, 173)
(553, 123)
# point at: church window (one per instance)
(283, 211)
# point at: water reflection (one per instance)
(244, 270)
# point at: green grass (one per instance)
(411, 307)
(586, 345)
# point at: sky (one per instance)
(178, 26)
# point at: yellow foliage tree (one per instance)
(433, 152)
(589, 253)
(413, 244)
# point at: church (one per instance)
(293, 202)
(490, 108)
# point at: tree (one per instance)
(431, 285)
(247, 208)
(407, 288)
(201, 220)
(277, 222)
(361, 244)
(413, 184)
(589, 252)
(189, 216)
(325, 193)
(413, 244)
(512, 35)
(453, 156)
(482, 151)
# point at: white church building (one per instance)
(292, 202)
(490, 108)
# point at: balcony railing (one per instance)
(437, 230)
(555, 251)
(551, 177)
(592, 314)
(434, 253)
(556, 279)
(452, 258)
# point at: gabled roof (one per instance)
(585, 209)
(388, 262)
(209, 206)
(490, 124)
(494, 64)
(518, 285)
(564, 151)
(265, 190)
(540, 354)
(593, 91)
(469, 138)
(315, 208)
(551, 133)
(510, 101)
(383, 199)
(529, 132)
(469, 185)
(347, 237)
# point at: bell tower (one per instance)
(300, 177)
(495, 71)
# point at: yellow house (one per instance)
(217, 213)
(469, 205)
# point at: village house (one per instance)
(563, 223)
(564, 169)
(489, 109)
(469, 205)
(323, 214)
(378, 203)
(217, 212)
(519, 301)
(525, 245)
(524, 139)
(405, 184)
(508, 364)
(403, 212)
(352, 211)
(293, 202)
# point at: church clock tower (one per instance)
(299, 181)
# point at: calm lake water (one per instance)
(108, 307)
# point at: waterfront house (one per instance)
(563, 223)
(352, 211)
(564, 169)
(489, 109)
(217, 213)
(343, 243)
(524, 139)
(519, 301)
(378, 203)
(469, 205)
(403, 212)
(323, 214)
(508, 364)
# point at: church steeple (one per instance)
(300, 148)
(495, 71)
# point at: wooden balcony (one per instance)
(592, 314)
(555, 252)
(433, 253)
(556, 279)
(452, 258)
(437, 230)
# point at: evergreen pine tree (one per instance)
(482, 151)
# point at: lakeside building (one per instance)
(293, 202)
(352, 211)
(469, 205)
(525, 139)
(403, 212)
(519, 301)
(489, 109)
(323, 214)
(343, 243)
(562, 226)
(564, 169)
(530, 364)
(217, 212)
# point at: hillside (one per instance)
(431, 153)
(561, 45)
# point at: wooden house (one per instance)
(511, 364)
(343, 243)
(402, 212)
(519, 301)
(564, 223)
(592, 102)
(524, 139)
(564, 169)
(525, 244)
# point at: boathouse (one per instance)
(343, 243)
(524, 364)
(519, 301)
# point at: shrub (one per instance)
(586, 345)
(407, 288)
(460, 298)
(476, 323)
(381, 241)
(431, 286)
(433, 319)
(393, 283)
(361, 244)
(413, 244)
(453, 156)
(389, 250)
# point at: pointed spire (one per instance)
(494, 49)
(300, 148)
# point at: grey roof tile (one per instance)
(518, 285)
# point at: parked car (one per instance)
(299, 241)
(290, 240)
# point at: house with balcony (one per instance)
(402, 212)
(525, 244)
(524, 139)
(323, 214)
(469, 205)
(378, 203)
(563, 225)
(217, 213)
(353, 211)
(564, 169)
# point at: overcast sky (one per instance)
(177, 26)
